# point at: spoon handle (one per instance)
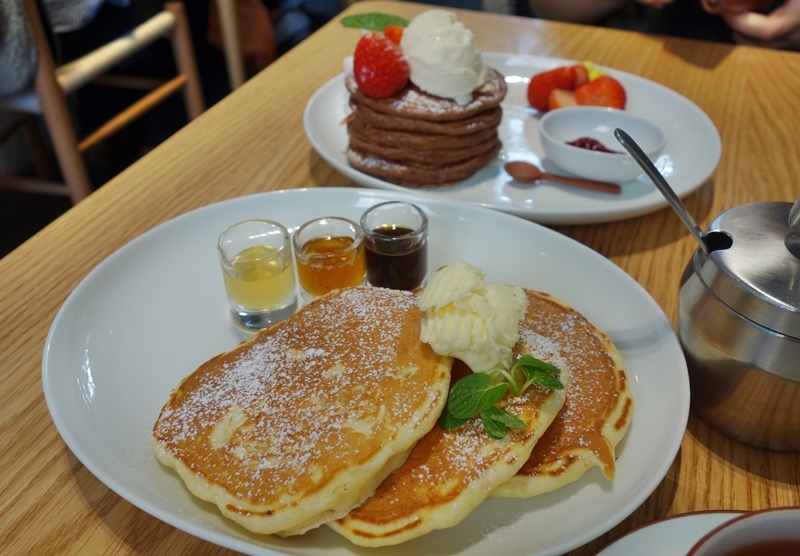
(604, 186)
(661, 183)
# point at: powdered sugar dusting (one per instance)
(320, 392)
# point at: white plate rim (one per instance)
(67, 430)
(655, 531)
(489, 187)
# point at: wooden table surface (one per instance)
(253, 141)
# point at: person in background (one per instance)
(778, 28)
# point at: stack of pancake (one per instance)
(330, 417)
(419, 140)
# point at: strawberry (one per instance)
(541, 84)
(581, 74)
(379, 66)
(602, 91)
(394, 32)
(559, 98)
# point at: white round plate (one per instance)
(690, 155)
(155, 310)
(669, 536)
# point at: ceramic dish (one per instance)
(690, 155)
(155, 310)
(558, 128)
(668, 537)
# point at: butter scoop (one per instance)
(471, 320)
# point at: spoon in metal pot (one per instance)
(707, 242)
(526, 172)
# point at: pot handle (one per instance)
(794, 217)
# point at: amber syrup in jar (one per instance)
(329, 263)
(399, 264)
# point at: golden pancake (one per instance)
(599, 404)
(301, 423)
(449, 473)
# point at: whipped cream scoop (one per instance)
(443, 57)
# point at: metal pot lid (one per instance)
(758, 276)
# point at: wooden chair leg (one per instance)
(56, 114)
(185, 60)
(37, 148)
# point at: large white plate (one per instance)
(155, 310)
(669, 536)
(690, 155)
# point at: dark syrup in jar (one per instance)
(400, 264)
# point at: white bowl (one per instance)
(559, 127)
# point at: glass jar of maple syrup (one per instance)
(396, 241)
(329, 253)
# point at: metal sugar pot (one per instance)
(739, 325)
(739, 318)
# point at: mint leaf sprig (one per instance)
(373, 21)
(478, 394)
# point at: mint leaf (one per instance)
(496, 429)
(539, 372)
(447, 421)
(473, 394)
(503, 417)
(373, 21)
(478, 394)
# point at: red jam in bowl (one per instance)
(591, 144)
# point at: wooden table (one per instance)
(253, 141)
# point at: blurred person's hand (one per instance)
(657, 4)
(779, 28)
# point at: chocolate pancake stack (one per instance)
(419, 140)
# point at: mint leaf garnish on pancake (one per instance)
(478, 394)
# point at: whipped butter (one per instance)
(443, 57)
(470, 319)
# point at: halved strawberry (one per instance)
(394, 32)
(559, 98)
(379, 66)
(581, 74)
(541, 84)
(602, 91)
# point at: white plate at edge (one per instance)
(671, 536)
(155, 310)
(690, 155)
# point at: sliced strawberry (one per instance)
(379, 66)
(581, 74)
(603, 91)
(394, 32)
(559, 98)
(541, 84)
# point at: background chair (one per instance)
(52, 85)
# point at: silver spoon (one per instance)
(661, 183)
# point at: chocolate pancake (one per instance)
(412, 102)
(420, 155)
(415, 141)
(298, 425)
(599, 405)
(419, 140)
(488, 119)
(420, 175)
